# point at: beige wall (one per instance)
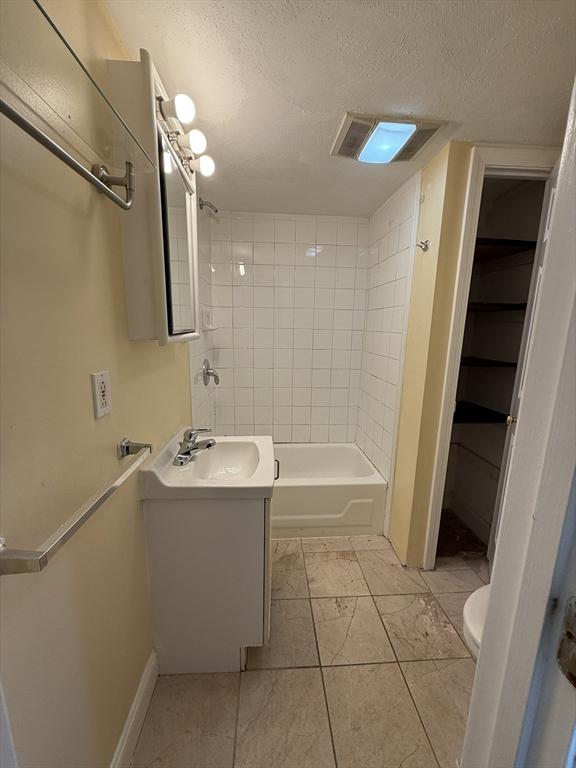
(429, 317)
(74, 638)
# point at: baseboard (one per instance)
(133, 725)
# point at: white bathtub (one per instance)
(326, 489)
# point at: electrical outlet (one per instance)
(101, 393)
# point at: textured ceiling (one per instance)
(272, 78)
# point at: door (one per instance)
(552, 741)
(521, 712)
(520, 371)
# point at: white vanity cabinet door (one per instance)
(209, 582)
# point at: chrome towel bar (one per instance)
(32, 561)
(99, 178)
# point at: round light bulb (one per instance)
(180, 107)
(197, 141)
(184, 108)
(194, 142)
(167, 164)
(207, 165)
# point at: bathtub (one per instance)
(326, 489)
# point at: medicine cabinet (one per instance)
(160, 239)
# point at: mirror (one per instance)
(178, 224)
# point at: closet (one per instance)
(503, 276)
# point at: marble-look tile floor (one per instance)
(365, 667)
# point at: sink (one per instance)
(237, 467)
(227, 462)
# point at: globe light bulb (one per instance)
(207, 165)
(194, 141)
(184, 108)
(180, 107)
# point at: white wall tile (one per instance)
(242, 229)
(285, 231)
(263, 253)
(289, 297)
(305, 231)
(263, 231)
(326, 233)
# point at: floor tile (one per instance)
(452, 581)
(288, 572)
(292, 639)
(452, 604)
(327, 544)
(286, 547)
(418, 628)
(479, 566)
(374, 721)
(370, 542)
(450, 563)
(335, 574)
(441, 690)
(190, 722)
(282, 720)
(350, 631)
(387, 576)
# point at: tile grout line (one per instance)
(236, 720)
(396, 662)
(429, 740)
(321, 669)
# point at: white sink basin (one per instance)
(237, 467)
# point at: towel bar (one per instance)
(32, 561)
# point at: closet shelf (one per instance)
(488, 248)
(484, 362)
(496, 306)
(472, 413)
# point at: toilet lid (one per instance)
(475, 610)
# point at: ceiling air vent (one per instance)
(379, 139)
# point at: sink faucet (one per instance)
(190, 446)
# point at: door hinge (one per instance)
(567, 647)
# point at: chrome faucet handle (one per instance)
(192, 433)
(208, 373)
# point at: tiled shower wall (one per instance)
(392, 235)
(306, 324)
(288, 310)
(203, 398)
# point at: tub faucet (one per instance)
(190, 446)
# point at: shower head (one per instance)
(208, 204)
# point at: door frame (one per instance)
(524, 597)
(502, 160)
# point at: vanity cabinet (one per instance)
(209, 581)
(207, 526)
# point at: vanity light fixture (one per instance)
(204, 164)
(193, 141)
(180, 107)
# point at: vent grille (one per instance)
(355, 130)
(354, 138)
(416, 142)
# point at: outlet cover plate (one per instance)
(101, 393)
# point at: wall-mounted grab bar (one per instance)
(32, 561)
(102, 181)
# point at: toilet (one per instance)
(475, 610)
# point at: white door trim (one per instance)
(536, 502)
(529, 161)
